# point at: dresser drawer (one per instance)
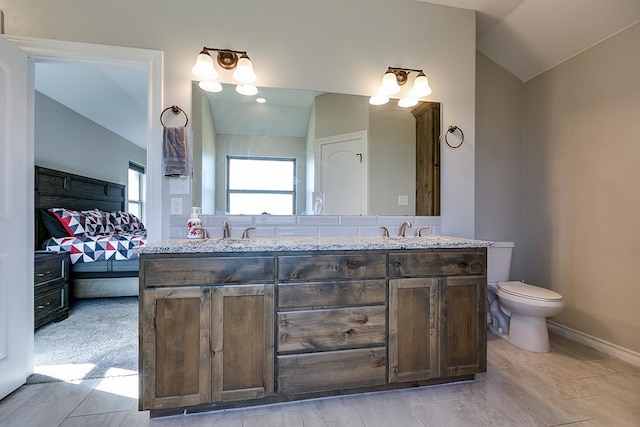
(51, 305)
(332, 370)
(50, 267)
(438, 263)
(331, 329)
(322, 267)
(331, 294)
(206, 271)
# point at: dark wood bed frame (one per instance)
(62, 189)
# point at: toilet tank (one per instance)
(499, 262)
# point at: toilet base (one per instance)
(529, 333)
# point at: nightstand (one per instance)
(51, 287)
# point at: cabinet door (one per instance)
(242, 340)
(175, 360)
(463, 313)
(413, 345)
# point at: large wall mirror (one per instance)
(286, 151)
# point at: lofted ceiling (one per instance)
(526, 37)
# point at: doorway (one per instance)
(47, 51)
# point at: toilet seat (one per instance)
(524, 290)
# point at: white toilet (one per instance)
(527, 306)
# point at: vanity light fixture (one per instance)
(226, 59)
(391, 84)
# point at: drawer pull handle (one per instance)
(397, 264)
(46, 273)
(40, 307)
(464, 264)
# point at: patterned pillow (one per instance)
(96, 223)
(118, 221)
(73, 221)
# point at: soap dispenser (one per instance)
(194, 225)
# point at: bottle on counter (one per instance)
(194, 225)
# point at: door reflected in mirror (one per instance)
(348, 157)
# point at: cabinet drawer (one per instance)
(333, 370)
(331, 294)
(331, 329)
(49, 267)
(206, 271)
(438, 263)
(320, 267)
(48, 302)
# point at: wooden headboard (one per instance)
(56, 189)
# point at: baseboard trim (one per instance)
(624, 354)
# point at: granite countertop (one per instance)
(315, 243)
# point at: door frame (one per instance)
(44, 50)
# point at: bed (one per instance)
(108, 269)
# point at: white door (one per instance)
(16, 218)
(343, 171)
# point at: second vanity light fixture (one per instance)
(227, 59)
(396, 77)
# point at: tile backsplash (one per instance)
(292, 225)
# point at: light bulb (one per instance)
(378, 100)
(407, 102)
(203, 68)
(210, 86)
(244, 70)
(248, 90)
(389, 84)
(420, 86)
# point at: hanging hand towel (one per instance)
(174, 150)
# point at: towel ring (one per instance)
(452, 129)
(175, 110)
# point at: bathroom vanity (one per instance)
(236, 322)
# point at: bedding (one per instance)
(104, 247)
(93, 235)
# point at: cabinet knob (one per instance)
(397, 264)
(464, 264)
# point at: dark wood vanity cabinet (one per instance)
(331, 322)
(279, 326)
(204, 342)
(436, 314)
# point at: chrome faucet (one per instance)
(226, 233)
(245, 233)
(419, 231)
(403, 228)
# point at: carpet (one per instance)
(99, 339)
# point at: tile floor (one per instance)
(572, 385)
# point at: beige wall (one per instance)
(327, 46)
(499, 158)
(581, 211)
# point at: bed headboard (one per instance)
(56, 189)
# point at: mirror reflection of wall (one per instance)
(305, 127)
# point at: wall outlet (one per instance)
(403, 200)
(176, 206)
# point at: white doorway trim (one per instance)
(42, 50)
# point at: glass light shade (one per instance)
(378, 100)
(248, 90)
(407, 102)
(203, 68)
(244, 71)
(210, 86)
(420, 86)
(389, 84)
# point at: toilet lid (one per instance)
(529, 291)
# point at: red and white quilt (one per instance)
(85, 248)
